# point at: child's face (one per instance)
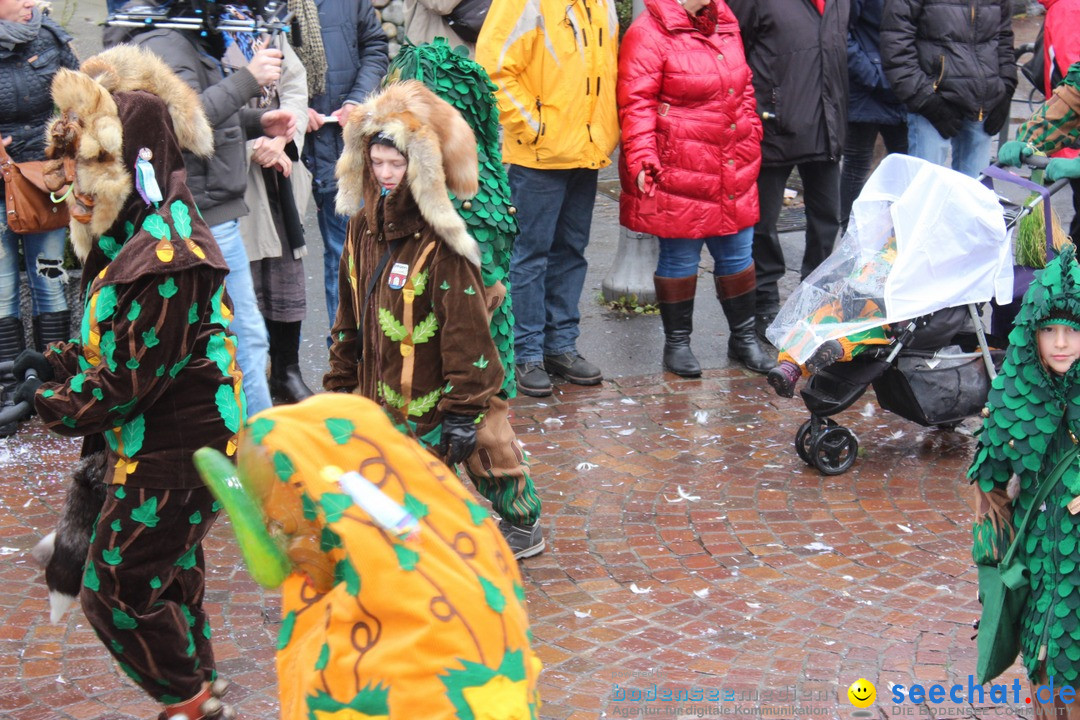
(388, 164)
(1059, 347)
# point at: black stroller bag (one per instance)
(934, 391)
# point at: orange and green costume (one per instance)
(377, 624)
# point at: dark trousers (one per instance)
(821, 190)
(859, 156)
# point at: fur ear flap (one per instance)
(350, 169)
(124, 68)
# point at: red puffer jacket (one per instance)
(686, 107)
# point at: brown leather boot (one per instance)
(675, 297)
(736, 295)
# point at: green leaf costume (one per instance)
(1032, 418)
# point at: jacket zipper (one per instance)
(941, 74)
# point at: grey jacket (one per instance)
(217, 183)
(356, 59)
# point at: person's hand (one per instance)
(1059, 168)
(1013, 153)
(315, 120)
(279, 123)
(270, 153)
(26, 390)
(998, 116)
(32, 360)
(265, 65)
(945, 118)
(7, 140)
(343, 112)
(646, 181)
(458, 438)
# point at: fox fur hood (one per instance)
(99, 133)
(440, 147)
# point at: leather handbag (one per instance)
(1004, 589)
(467, 18)
(30, 209)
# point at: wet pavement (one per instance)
(689, 548)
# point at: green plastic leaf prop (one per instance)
(265, 560)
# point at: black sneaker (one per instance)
(532, 380)
(574, 368)
(524, 540)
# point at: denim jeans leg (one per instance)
(9, 269)
(679, 257)
(731, 253)
(924, 141)
(971, 149)
(768, 253)
(252, 343)
(44, 253)
(333, 228)
(567, 265)
(538, 196)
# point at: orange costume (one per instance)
(425, 620)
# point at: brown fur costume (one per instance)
(442, 156)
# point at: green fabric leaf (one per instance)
(493, 595)
(180, 365)
(340, 429)
(187, 560)
(424, 404)
(122, 621)
(470, 291)
(168, 288)
(181, 218)
(150, 338)
(106, 303)
(324, 657)
(76, 382)
(146, 513)
(346, 573)
(445, 285)
(283, 466)
(476, 512)
(133, 313)
(155, 582)
(482, 363)
(193, 313)
(109, 246)
(115, 525)
(156, 226)
(112, 556)
(286, 631)
(407, 557)
(425, 329)
(195, 518)
(390, 326)
(391, 397)
(415, 507)
(90, 578)
(132, 364)
(227, 407)
(334, 505)
(420, 281)
(132, 433)
(260, 428)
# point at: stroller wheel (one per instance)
(804, 436)
(835, 450)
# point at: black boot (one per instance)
(51, 327)
(286, 382)
(12, 342)
(675, 296)
(736, 294)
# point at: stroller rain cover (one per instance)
(921, 238)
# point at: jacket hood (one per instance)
(441, 149)
(673, 18)
(1028, 403)
(120, 101)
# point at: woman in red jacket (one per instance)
(691, 150)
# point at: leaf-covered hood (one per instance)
(1028, 403)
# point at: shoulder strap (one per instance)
(1044, 489)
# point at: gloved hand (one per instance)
(28, 359)
(1013, 152)
(1059, 168)
(25, 391)
(945, 118)
(458, 438)
(998, 116)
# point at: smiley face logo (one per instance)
(862, 693)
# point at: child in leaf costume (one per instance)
(422, 620)
(415, 333)
(499, 468)
(152, 376)
(1031, 420)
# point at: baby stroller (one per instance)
(926, 246)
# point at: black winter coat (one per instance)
(356, 60)
(26, 74)
(959, 49)
(799, 60)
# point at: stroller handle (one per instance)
(997, 171)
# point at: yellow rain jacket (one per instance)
(555, 79)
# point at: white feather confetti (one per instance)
(578, 613)
(583, 466)
(639, 591)
(703, 592)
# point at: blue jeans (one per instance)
(252, 343)
(333, 227)
(44, 255)
(970, 147)
(547, 267)
(730, 253)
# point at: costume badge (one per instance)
(399, 275)
(145, 179)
